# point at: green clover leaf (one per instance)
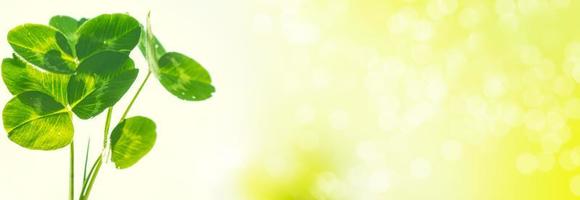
(158, 49)
(35, 120)
(66, 25)
(43, 46)
(131, 140)
(117, 32)
(182, 76)
(20, 77)
(101, 80)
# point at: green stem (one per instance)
(97, 165)
(87, 179)
(135, 96)
(86, 162)
(92, 178)
(107, 125)
(71, 183)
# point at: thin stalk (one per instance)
(106, 150)
(107, 125)
(97, 165)
(71, 183)
(93, 177)
(135, 96)
(86, 162)
(86, 182)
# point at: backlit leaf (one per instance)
(155, 44)
(20, 77)
(131, 140)
(35, 120)
(118, 32)
(101, 80)
(184, 77)
(65, 24)
(179, 74)
(42, 46)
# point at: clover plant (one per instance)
(82, 68)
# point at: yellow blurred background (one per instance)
(344, 100)
(439, 99)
